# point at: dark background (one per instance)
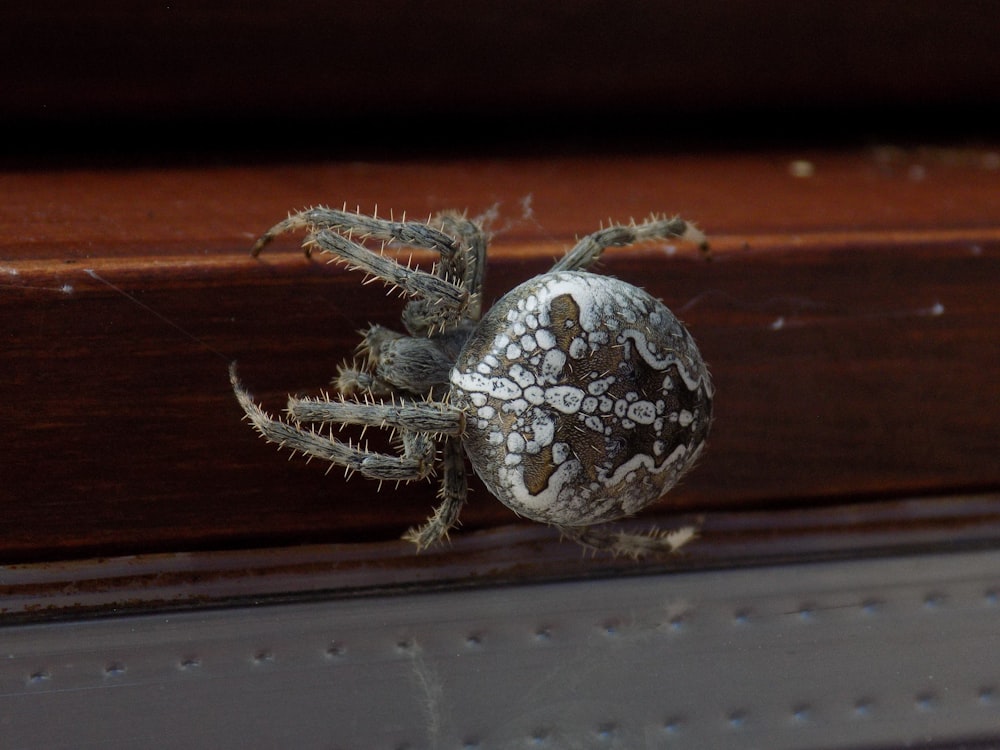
(221, 80)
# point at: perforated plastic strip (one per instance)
(834, 655)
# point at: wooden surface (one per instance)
(850, 319)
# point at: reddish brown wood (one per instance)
(850, 320)
(497, 556)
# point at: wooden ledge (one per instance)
(499, 556)
(849, 316)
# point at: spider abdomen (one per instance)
(586, 398)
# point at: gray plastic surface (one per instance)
(865, 653)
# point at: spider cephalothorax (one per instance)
(577, 398)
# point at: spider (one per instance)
(577, 398)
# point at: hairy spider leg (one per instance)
(422, 316)
(417, 460)
(332, 230)
(589, 249)
(461, 245)
(407, 232)
(605, 537)
(470, 262)
(448, 298)
(431, 417)
(452, 495)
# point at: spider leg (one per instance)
(430, 417)
(443, 302)
(442, 297)
(453, 493)
(608, 539)
(412, 281)
(589, 249)
(410, 233)
(421, 316)
(471, 269)
(468, 266)
(417, 462)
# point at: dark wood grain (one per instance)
(850, 320)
